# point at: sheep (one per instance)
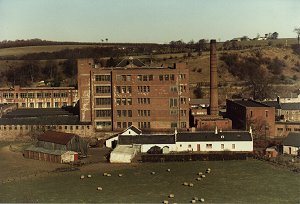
(99, 188)
(153, 172)
(196, 198)
(198, 179)
(104, 174)
(203, 176)
(171, 196)
(108, 175)
(200, 173)
(185, 184)
(165, 202)
(201, 200)
(120, 175)
(82, 177)
(208, 169)
(168, 170)
(191, 184)
(193, 201)
(89, 176)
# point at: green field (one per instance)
(229, 182)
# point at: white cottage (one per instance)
(291, 144)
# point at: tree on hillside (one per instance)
(297, 31)
(274, 35)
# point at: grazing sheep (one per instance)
(200, 173)
(171, 196)
(152, 172)
(185, 184)
(108, 175)
(193, 201)
(191, 184)
(201, 200)
(198, 179)
(165, 202)
(168, 170)
(203, 176)
(120, 175)
(196, 198)
(104, 174)
(99, 188)
(208, 169)
(82, 177)
(89, 176)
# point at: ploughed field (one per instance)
(248, 181)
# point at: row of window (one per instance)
(128, 101)
(103, 101)
(103, 89)
(124, 101)
(36, 95)
(123, 124)
(43, 105)
(145, 77)
(289, 129)
(175, 125)
(103, 113)
(103, 124)
(144, 113)
(144, 89)
(210, 146)
(26, 127)
(102, 78)
(123, 89)
(124, 113)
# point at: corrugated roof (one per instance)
(36, 112)
(56, 137)
(293, 139)
(43, 150)
(130, 61)
(146, 139)
(290, 106)
(211, 136)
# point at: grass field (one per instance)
(229, 182)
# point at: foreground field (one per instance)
(229, 182)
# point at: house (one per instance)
(291, 144)
(57, 147)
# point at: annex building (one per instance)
(39, 97)
(114, 98)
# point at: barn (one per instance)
(57, 147)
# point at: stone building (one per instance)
(246, 113)
(114, 98)
(39, 97)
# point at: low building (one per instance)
(39, 97)
(291, 144)
(283, 128)
(57, 147)
(271, 152)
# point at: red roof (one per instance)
(56, 137)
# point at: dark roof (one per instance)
(133, 128)
(56, 137)
(249, 103)
(274, 104)
(35, 112)
(43, 120)
(130, 61)
(211, 136)
(290, 106)
(146, 139)
(288, 122)
(293, 139)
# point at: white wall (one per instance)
(108, 142)
(216, 146)
(294, 150)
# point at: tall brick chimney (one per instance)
(214, 109)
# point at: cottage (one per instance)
(291, 144)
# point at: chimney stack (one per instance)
(214, 109)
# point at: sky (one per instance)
(153, 21)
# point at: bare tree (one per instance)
(297, 31)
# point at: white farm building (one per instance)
(203, 141)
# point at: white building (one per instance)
(291, 144)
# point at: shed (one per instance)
(271, 152)
(291, 144)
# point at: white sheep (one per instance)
(89, 176)
(104, 174)
(99, 188)
(108, 175)
(185, 184)
(193, 201)
(201, 200)
(171, 196)
(166, 202)
(82, 177)
(200, 173)
(198, 179)
(203, 176)
(191, 184)
(168, 170)
(120, 175)
(153, 172)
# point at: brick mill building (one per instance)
(39, 97)
(114, 98)
(246, 113)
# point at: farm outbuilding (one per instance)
(56, 156)
(57, 147)
(291, 144)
